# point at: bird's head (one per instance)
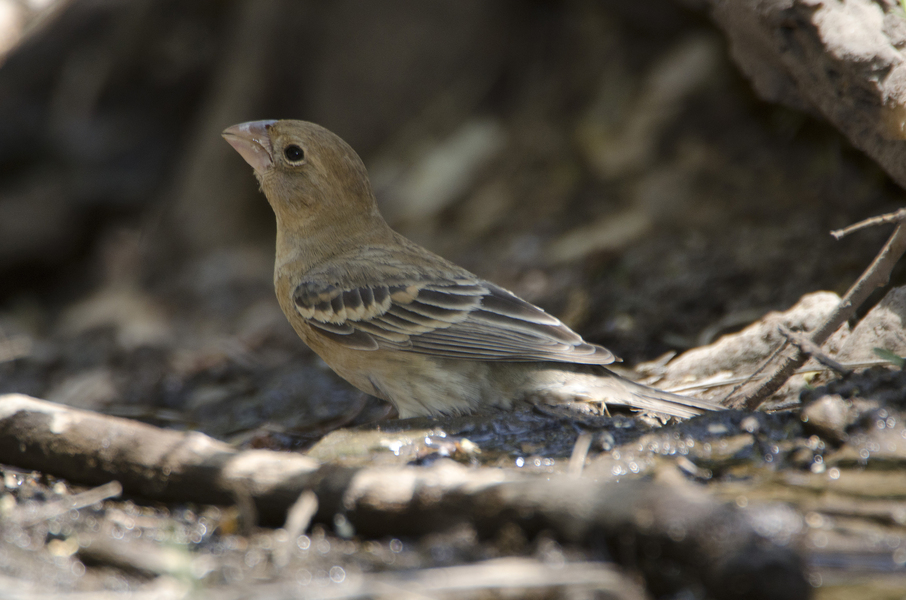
(313, 180)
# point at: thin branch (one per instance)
(64, 505)
(245, 502)
(147, 461)
(298, 519)
(757, 372)
(894, 217)
(875, 276)
(711, 384)
(806, 345)
(580, 453)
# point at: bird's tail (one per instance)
(659, 401)
(593, 383)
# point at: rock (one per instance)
(740, 353)
(841, 60)
(881, 328)
(830, 415)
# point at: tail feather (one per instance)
(675, 405)
(597, 384)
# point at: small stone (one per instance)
(830, 415)
(750, 424)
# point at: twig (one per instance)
(806, 345)
(298, 518)
(64, 505)
(245, 502)
(875, 276)
(301, 513)
(580, 452)
(894, 217)
(711, 384)
(148, 461)
(136, 555)
(756, 372)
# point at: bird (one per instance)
(396, 320)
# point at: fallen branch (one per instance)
(708, 543)
(810, 348)
(875, 276)
(890, 218)
(92, 449)
(139, 556)
(755, 375)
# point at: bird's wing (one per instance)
(457, 318)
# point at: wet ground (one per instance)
(837, 499)
(651, 213)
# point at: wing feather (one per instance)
(465, 319)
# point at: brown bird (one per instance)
(398, 321)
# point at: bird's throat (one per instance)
(311, 242)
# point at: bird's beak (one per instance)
(253, 143)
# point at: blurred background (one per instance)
(603, 159)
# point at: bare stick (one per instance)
(894, 217)
(64, 505)
(712, 384)
(245, 502)
(137, 555)
(806, 345)
(875, 276)
(298, 518)
(756, 375)
(91, 448)
(580, 452)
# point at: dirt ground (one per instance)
(606, 161)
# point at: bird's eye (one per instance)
(293, 153)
